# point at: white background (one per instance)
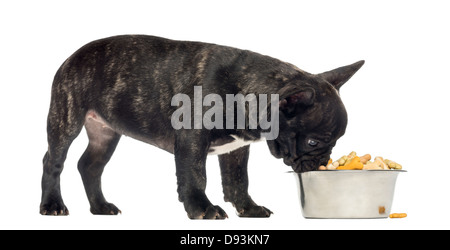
(397, 105)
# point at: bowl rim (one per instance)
(350, 171)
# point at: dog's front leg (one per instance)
(191, 149)
(233, 167)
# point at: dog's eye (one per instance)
(312, 143)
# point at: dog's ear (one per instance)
(290, 98)
(337, 77)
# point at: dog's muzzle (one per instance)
(300, 162)
(307, 163)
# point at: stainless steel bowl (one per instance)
(347, 193)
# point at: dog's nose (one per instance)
(324, 161)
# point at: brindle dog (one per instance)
(123, 85)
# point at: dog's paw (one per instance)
(254, 211)
(105, 209)
(212, 212)
(57, 208)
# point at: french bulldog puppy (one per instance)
(125, 85)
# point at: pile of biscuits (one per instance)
(354, 162)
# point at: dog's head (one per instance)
(312, 118)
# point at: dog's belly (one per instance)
(165, 142)
(222, 146)
(230, 146)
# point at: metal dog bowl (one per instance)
(347, 193)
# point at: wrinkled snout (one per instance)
(300, 161)
(307, 163)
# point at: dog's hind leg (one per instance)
(102, 143)
(64, 123)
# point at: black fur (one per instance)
(124, 85)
